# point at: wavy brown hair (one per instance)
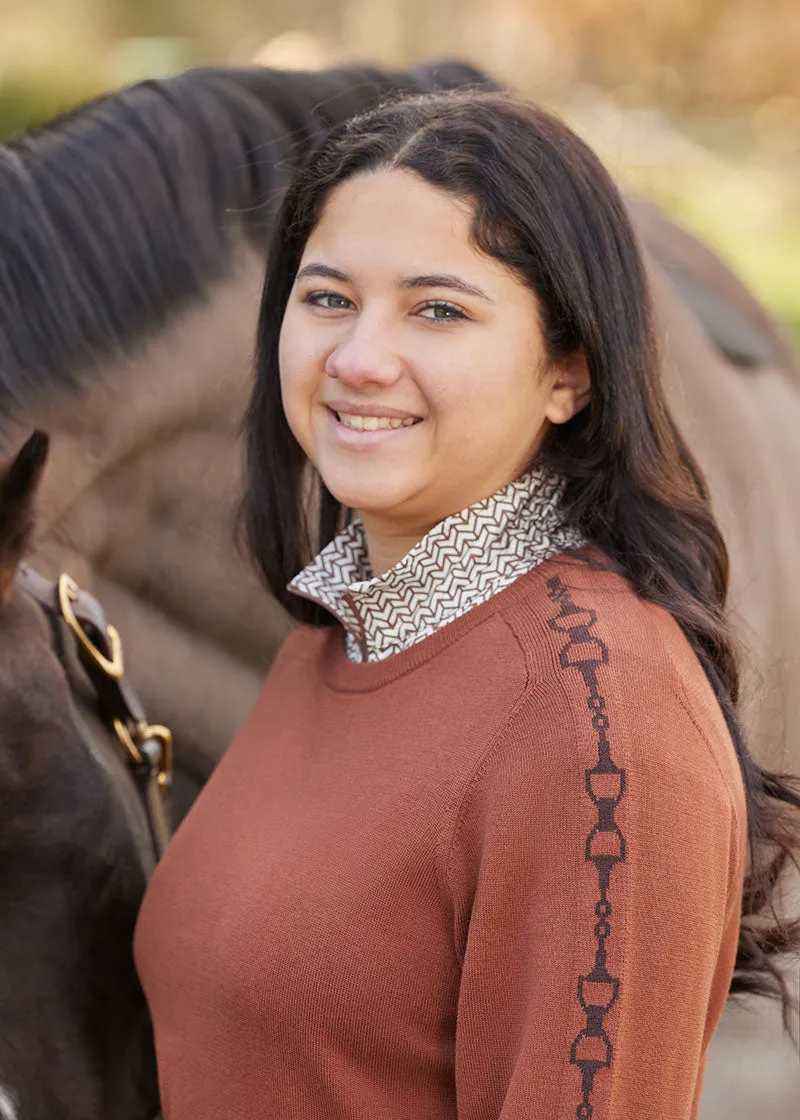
(544, 206)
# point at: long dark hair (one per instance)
(545, 207)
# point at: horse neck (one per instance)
(194, 373)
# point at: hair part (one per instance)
(545, 207)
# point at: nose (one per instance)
(365, 357)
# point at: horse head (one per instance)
(75, 1037)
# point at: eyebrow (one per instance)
(429, 280)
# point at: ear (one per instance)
(19, 482)
(571, 389)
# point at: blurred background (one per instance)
(693, 103)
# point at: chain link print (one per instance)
(598, 990)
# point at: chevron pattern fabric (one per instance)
(461, 562)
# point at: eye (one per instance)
(329, 301)
(443, 312)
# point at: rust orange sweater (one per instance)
(496, 876)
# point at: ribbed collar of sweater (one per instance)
(461, 562)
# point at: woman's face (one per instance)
(413, 367)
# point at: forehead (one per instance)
(395, 221)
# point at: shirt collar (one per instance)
(462, 561)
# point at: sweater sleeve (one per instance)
(594, 872)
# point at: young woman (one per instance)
(481, 848)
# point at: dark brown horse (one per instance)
(75, 1038)
(130, 269)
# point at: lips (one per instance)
(350, 408)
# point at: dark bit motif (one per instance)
(598, 989)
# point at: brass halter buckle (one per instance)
(134, 744)
(67, 595)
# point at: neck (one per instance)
(386, 547)
(385, 553)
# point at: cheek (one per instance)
(298, 365)
(472, 390)
(488, 403)
(464, 410)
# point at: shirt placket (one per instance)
(361, 634)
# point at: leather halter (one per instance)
(148, 747)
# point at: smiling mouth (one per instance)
(374, 423)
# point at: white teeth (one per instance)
(373, 423)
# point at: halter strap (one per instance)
(148, 747)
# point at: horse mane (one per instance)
(124, 210)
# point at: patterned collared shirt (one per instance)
(461, 562)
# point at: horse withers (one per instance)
(75, 852)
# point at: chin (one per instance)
(373, 497)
